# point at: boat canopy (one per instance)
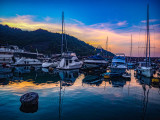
(119, 57)
(96, 57)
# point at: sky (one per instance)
(90, 21)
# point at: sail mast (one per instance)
(147, 35)
(131, 49)
(62, 32)
(107, 46)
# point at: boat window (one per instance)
(66, 62)
(76, 60)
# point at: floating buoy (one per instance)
(29, 109)
(50, 69)
(29, 98)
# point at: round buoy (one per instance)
(29, 109)
(50, 69)
(29, 98)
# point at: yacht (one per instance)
(118, 64)
(95, 60)
(6, 55)
(146, 69)
(51, 62)
(69, 61)
(11, 54)
(27, 61)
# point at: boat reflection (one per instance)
(117, 82)
(146, 86)
(68, 77)
(92, 80)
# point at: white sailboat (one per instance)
(146, 70)
(69, 60)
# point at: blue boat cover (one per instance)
(119, 57)
(96, 57)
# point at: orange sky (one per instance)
(93, 34)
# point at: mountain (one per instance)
(44, 41)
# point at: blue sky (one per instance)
(116, 16)
(88, 11)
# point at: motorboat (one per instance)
(69, 61)
(118, 64)
(27, 61)
(96, 60)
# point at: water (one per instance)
(117, 99)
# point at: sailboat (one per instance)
(146, 69)
(69, 59)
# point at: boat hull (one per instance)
(145, 72)
(117, 70)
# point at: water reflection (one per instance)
(146, 86)
(76, 91)
(68, 77)
(29, 109)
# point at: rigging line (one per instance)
(154, 40)
(65, 36)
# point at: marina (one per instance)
(98, 61)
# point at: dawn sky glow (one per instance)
(89, 21)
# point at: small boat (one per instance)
(106, 75)
(27, 62)
(47, 64)
(157, 80)
(126, 75)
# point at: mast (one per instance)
(131, 49)
(148, 41)
(148, 34)
(62, 32)
(107, 46)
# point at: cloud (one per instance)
(123, 23)
(151, 20)
(95, 34)
(47, 19)
(77, 22)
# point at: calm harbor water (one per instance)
(117, 99)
